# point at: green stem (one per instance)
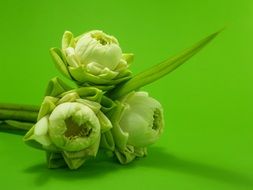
(19, 107)
(156, 72)
(12, 125)
(19, 115)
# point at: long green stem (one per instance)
(17, 118)
(156, 72)
(19, 107)
(19, 115)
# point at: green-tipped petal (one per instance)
(120, 137)
(69, 97)
(86, 153)
(105, 123)
(28, 139)
(58, 59)
(81, 75)
(55, 160)
(107, 141)
(125, 156)
(89, 93)
(129, 154)
(47, 106)
(56, 87)
(74, 163)
(37, 136)
(140, 152)
(76, 159)
(128, 57)
(92, 105)
(107, 104)
(68, 40)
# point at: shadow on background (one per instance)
(92, 170)
(157, 158)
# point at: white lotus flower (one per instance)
(94, 58)
(142, 119)
(137, 123)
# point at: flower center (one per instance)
(156, 120)
(102, 40)
(75, 130)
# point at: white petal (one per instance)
(41, 132)
(94, 68)
(71, 57)
(89, 48)
(41, 127)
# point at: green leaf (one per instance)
(156, 72)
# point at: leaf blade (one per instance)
(156, 72)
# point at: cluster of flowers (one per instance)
(104, 112)
(74, 124)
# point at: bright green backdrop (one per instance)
(207, 143)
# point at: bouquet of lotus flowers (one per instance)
(105, 111)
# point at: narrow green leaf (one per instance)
(156, 72)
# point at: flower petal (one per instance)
(57, 57)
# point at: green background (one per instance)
(207, 142)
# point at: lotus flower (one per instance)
(137, 123)
(92, 59)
